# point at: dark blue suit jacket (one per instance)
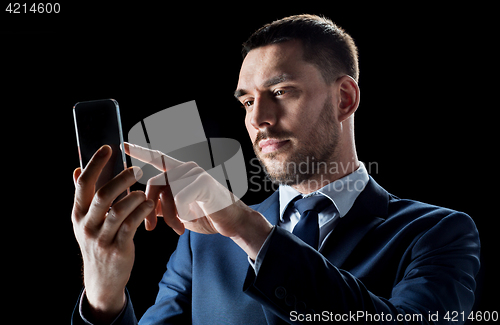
(387, 256)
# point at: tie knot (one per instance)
(315, 202)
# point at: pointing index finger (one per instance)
(156, 158)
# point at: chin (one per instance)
(276, 169)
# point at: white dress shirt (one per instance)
(342, 192)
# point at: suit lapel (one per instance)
(369, 210)
(270, 208)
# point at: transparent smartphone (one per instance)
(98, 123)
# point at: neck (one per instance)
(342, 164)
(317, 181)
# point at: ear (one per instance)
(348, 100)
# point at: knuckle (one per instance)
(204, 177)
(81, 182)
(75, 216)
(126, 227)
(158, 152)
(153, 180)
(103, 195)
(198, 170)
(119, 211)
(191, 164)
(101, 242)
(88, 232)
(139, 194)
(158, 180)
(115, 213)
(78, 211)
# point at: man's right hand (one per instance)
(106, 238)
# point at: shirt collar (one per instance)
(343, 192)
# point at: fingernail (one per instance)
(137, 172)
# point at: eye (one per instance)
(248, 103)
(280, 92)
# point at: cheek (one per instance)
(303, 123)
(252, 132)
(299, 121)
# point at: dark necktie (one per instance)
(307, 228)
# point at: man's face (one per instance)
(290, 113)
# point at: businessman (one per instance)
(329, 245)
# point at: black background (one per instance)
(426, 118)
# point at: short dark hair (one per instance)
(325, 44)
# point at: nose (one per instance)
(263, 114)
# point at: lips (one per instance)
(271, 145)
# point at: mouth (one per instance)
(271, 145)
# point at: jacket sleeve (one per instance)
(439, 276)
(173, 303)
(81, 316)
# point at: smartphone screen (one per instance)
(98, 123)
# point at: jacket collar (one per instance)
(270, 208)
(369, 210)
(342, 192)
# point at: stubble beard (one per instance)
(302, 164)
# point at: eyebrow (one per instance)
(268, 83)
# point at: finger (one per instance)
(169, 212)
(184, 171)
(195, 191)
(76, 174)
(153, 157)
(85, 182)
(129, 226)
(118, 213)
(108, 193)
(182, 176)
(153, 193)
(158, 209)
(209, 194)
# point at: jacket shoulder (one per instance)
(412, 210)
(414, 220)
(264, 205)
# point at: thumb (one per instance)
(76, 174)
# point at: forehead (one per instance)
(266, 62)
